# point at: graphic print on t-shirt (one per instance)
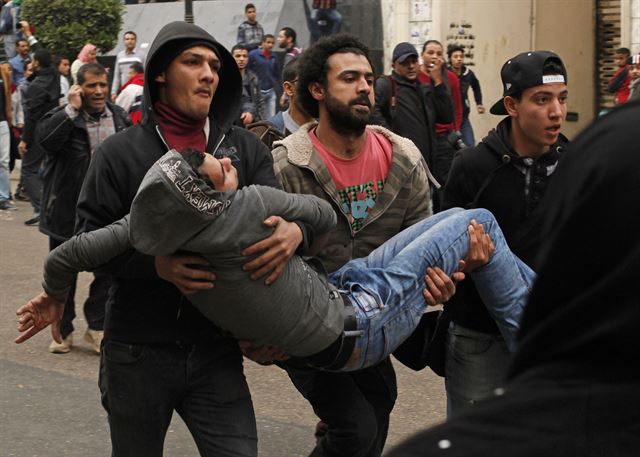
(359, 200)
(360, 180)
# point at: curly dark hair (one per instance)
(313, 65)
(454, 48)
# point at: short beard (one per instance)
(342, 119)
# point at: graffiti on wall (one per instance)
(461, 34)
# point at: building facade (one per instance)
(585, 33)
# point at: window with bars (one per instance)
(608, 24)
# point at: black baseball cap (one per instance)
(402, 51)
(524, 71)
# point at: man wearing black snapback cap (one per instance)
(507, 173)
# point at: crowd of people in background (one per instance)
(625, 83)
(386, 151)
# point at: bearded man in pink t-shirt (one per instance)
(377, 184)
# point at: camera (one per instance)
(18, 26)
(455, 140)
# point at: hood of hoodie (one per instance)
(171, 186)
(498, 141)
(227, 99)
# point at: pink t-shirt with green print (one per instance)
(361, 179)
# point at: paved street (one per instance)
(50, 405)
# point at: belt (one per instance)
(338, 353)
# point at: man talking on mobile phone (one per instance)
(69, 135)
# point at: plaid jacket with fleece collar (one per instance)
(404, 200)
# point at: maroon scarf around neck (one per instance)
(179, 131)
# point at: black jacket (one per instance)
(43, 95)
(492, 175)
(468, 79)
(67, 157)
(418, 107)
(142, 307)
(251, 97)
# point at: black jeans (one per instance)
(142, 384)
(442, 163)
(355, 406)
(30, 175)
(94, 305)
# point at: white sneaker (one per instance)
(94, 338)
(62, 348)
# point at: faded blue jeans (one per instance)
(268, 103)
(386, 286)
(467, 132)
(476, 365)
(5, 155)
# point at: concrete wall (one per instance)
(631, 25)
(496, 38)
(220, 18)
(570, 32)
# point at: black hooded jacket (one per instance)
(142, 307)
(43, 95)
(468, 80)
(492, 175)
(67, 149)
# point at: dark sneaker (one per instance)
(35, 220)
(7, 206)
(21, 197)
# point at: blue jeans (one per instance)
(142, 384)
(386, 287)
(5, 156)
(268, 103)
(467, 132)
(10, 44)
